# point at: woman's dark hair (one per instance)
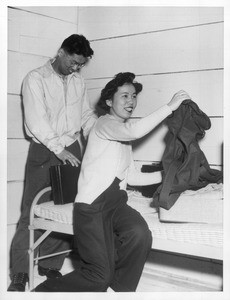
(77, 44)
(112, 86)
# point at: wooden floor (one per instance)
(165, 272)
(168, 272)
(156, 282)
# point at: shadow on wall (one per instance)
(137, 144)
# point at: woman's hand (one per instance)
(177, 99)
(66, 156)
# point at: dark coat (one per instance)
(184, 164)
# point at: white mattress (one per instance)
(202, 206)
(192, 233)
(58, 213)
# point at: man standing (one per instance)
(56, 109)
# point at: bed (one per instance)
(201, 239)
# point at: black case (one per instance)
(148, 190)
(64, 180)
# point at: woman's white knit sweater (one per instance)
(109, 154)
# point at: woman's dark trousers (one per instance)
(113, 241)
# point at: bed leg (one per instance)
(31, 260)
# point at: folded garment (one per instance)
(201, 206)
(140, 203)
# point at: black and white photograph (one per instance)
(115, 150)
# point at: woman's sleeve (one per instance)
(111, 129)
(88, 117)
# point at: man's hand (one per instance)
(66, 156)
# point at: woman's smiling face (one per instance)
(123, 102)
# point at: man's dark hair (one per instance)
(77, 44)
(112, 86)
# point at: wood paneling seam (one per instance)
(156, 31)
(35, 13)
(163, 73)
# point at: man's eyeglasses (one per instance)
(77, 64)
(73, 63)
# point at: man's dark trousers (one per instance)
(37, 177)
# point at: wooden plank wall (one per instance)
(168, 48)
(34, 35)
